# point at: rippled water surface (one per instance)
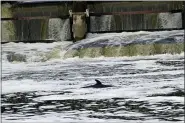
(146, 89)
(39, 85)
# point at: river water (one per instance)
(147, 89)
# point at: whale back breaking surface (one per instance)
(98, 85)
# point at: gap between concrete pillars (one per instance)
(183, 20)
(182, 14)
(88, 24)
(71, 26)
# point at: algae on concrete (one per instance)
(55, 53)
(118, 6)
(8, 29)
(6, 11)
(129, 50)
(44, 29)
(90, 52)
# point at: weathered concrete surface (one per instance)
(101, 7)
(130, 50)
(79, 27)
(7, 27)
(37, 29)
(51, 9)
(79, 6)
(150, 21)
(135, 21)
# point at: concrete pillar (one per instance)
(79, 16)
(79, 27)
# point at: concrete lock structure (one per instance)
(79, 24)
(43, 21)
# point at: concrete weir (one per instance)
(23, 21)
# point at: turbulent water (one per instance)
(43, 86)
(128, 38)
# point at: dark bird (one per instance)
(98, 85)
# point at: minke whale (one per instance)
(98, 85)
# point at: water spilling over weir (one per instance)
(59, 29)
(96, 45)
(108, 45)
(38, 23)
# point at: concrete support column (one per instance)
(78, 17)
(79, 26)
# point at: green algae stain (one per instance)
(90, 52)
(44, 28)
(6, 11)
(54, 54)
(129, 50)
(8, 29)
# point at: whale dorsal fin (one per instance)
(98, 82)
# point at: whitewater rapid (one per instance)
(54, 88)
(48, 88)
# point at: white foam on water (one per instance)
(76, 73)
(144, 87)
(137, 91)
(34, 52)
(129, 37)
(38, 52)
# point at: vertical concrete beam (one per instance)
(79, 27)
(79, 21)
